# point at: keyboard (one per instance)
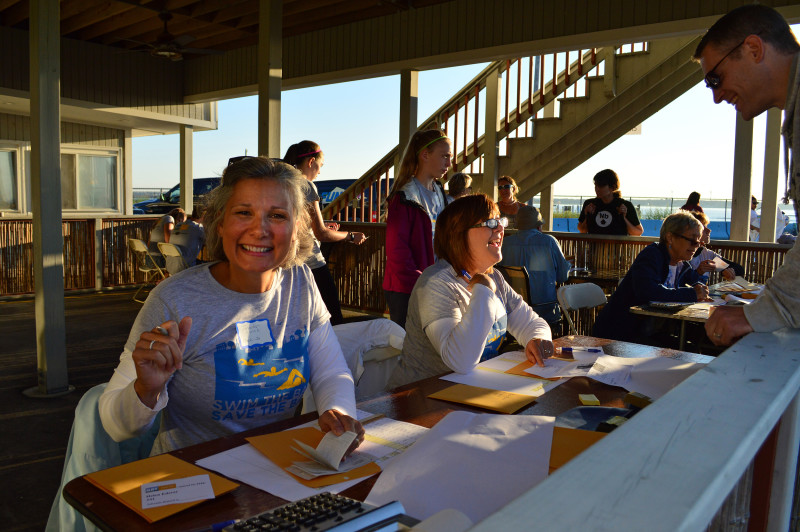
(325, 511)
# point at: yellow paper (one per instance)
(278, 448)
(125, 482)
(520, 368)
(499, 401)
(569, 443)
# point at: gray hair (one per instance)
(292, 182)
(677, 223)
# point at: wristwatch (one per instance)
(350, 236)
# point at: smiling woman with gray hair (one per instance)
(661, 272)
(233, 344)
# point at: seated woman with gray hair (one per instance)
(461, 306)
(661, 272)
(232, 345)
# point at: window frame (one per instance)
(77, 151)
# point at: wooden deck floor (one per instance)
(34, 432)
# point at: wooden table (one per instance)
(697, 313)
(408, 403)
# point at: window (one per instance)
(9, 196)
(88, 182)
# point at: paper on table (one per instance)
(384, 439)
(474, 463)
(189, 489)
(560, 368)
(652, 377)
(495, 400)
(492, 374)
(610, 370)
(326, 459)
(720, 264)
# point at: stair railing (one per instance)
(530, 84)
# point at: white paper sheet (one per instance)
(652, 377)
(720, 264)
(491, 374)
(384, 439)
(474, 463)
(560, 368)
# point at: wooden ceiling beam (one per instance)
(16, 14)
(113, 26)
(91, 16)
(299, 7)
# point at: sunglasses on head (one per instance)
(713, 81)
(492, 223)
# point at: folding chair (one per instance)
(145, 263)
(173, 257)
(517, 278)
(579, 296)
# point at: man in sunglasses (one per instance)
(751, 59)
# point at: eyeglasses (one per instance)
(492, 223)
(692, 241)
(713, 81)
(501, 187)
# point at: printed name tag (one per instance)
(253, 333)
(176, 491)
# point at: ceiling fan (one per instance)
(168, 46)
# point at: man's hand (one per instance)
(727, 324)
(706, 266)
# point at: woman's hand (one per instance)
(157, 356)
(339, 423)
(728, 274)
(702, 292)
(485, 280)
(706, 266)
(538, 349)
(590, 208)
(358, 238)
(622, 209)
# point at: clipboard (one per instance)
(278, 448)
(124, 483)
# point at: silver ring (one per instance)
(151, 344)
(717, 335)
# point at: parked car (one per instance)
(169, 200)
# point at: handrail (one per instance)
(539, 93)
(673, 464)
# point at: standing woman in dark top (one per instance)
(692, 203)
(608, 213)
(307, 157)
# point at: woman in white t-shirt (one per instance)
(461, 307)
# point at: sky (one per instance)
(686, 146)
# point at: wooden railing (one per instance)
(85, 240)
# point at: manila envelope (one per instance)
(569, 443)
(277, 446)
(499, 401)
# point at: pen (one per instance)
(162, 330)
(465, 274)
(219, 526)
(586, 366)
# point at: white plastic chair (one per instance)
(173, 257)
(578, 296)
(145, 263)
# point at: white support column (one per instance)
(409, 99)
(491, 149)
(742, 170)
(127, 173)
(270, 74)
(784, 468)
(98, 252)
(546, 208)
(772, 165)
(187, 188)
(48, 242)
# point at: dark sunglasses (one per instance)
(713, 81)
(492, 223)
(692, 241)
(504, 186)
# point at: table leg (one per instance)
(682, 337)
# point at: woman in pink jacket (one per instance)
(416, 199)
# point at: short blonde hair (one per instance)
(292, 182)
(677, 223)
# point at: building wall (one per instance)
(18, 128)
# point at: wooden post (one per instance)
(742, 170)
(490, 153)
(409, 98)
(48, 242)
(187, 188)
(127, 173)
(546, 208)
(270, 74)
(769, 191)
